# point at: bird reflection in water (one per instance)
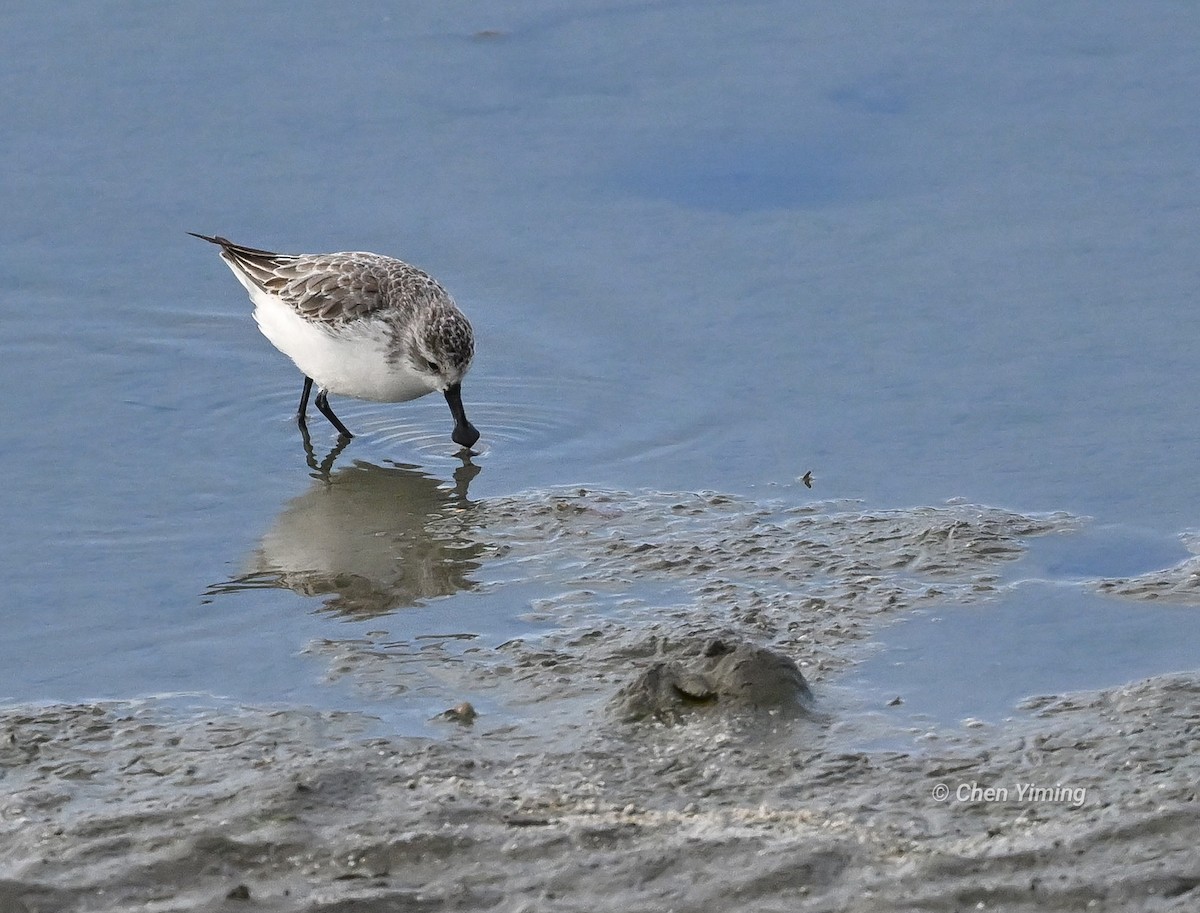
(322, 468)
(370, 539)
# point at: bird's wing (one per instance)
(339, 287)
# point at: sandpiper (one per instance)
(360, 325)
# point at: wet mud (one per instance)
(681, 754)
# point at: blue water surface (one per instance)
(926, 251)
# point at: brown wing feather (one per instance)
(331, 287)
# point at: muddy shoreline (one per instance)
(564, 799)
(119, 807)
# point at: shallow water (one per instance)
(981, 662)
(927, 257)
(1049, 630)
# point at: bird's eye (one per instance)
(433, 366)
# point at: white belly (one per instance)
(354, 363)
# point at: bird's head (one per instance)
(442, 351)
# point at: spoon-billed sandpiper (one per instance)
(360, 325)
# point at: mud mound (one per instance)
(718, 676)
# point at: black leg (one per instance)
(301, 420)
(322, 402)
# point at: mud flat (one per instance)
(730, 798)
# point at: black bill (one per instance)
(465, 433)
